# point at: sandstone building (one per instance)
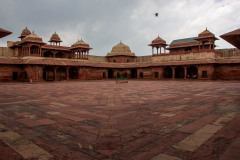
(31, 59)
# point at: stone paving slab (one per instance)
(21, 145)
(232, 153)
(194, 126)
(193, 141)
(165, 157)
(138, 120)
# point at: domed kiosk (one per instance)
(55, 40)
(80, 50)
(25, 33)
(31, 45)
(121, 53)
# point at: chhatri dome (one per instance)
(81, 44)
(32, 38)
(55, 38)
(25, 33)
(205, 34)
(121, 49)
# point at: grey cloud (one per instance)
(103, 23)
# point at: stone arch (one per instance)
(73, 73)
(34, 50)
(48, 73)
(192, 72)
(61, 73)
(48, 54)
(59, 55)
(110, 73)
(167, 72)
(179, 72)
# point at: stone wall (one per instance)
(185, 57)
(157, 72)
(97, 73)
(228, 52)
(121, 59)
(97, 58)
(6, 52)
(208, 69)
(227, 72)
(144, 73)
(7, 71)
(142, 59)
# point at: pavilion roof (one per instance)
(232, 37)
(33, 38)
(80, 44)
(53, 47)
(4, 32)
(158, 41)
(55, 38)
(185, 42)
(25, 33)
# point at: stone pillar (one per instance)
(173, 72)
(40, 51)
(55, 73)
(185, 72)
(67, 73)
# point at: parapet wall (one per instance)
(142, 59)
(228, 52)
(97, 58)
(185, 57)
(5, 52)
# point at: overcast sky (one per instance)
(104, 23)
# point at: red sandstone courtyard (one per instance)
(102, 120)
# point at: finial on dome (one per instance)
(33, 32)
(206, 28)
(81, 39)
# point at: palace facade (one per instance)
(30, 59)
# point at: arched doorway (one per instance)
(48, 73)
(110, 73)
(192, 72)
(61, 73)
(59, 55)
(179, 72)
(118, 75)
(34, 50)
(73, 73)
(134, 73)
(125, 75)
(48, 54)
(167, 72)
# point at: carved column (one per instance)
(185, 72)
(55, 73)
(28, 51)
(173, 72)
(67, 73)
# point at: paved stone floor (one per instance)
(139, 120)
